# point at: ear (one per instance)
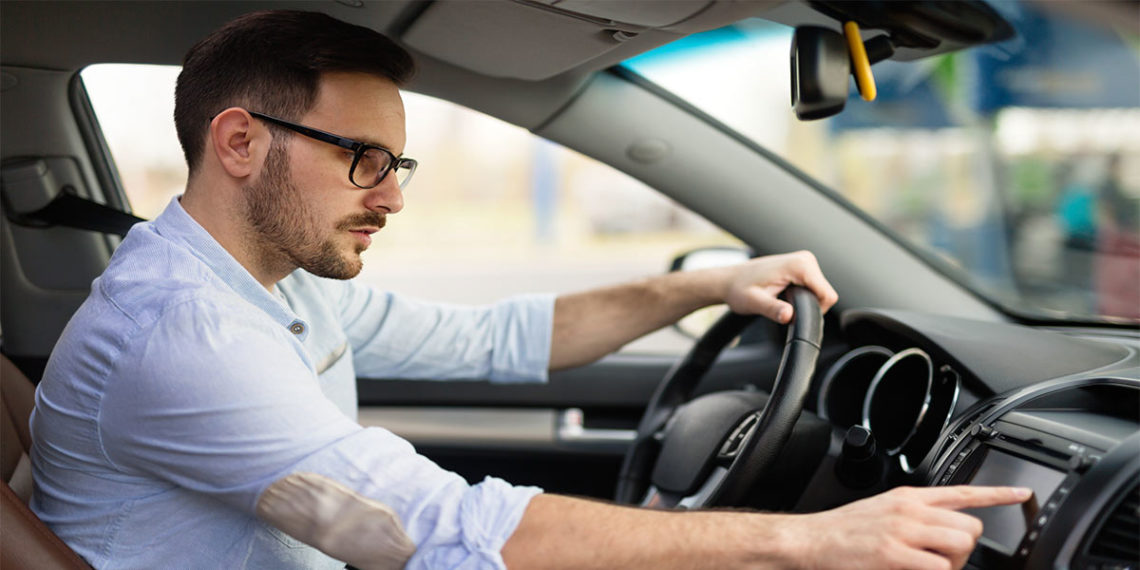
(239, 142)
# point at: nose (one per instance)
(385, 196)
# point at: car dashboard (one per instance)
(950, 401)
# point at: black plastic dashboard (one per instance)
(954, 401)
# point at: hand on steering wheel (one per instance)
(702, 452)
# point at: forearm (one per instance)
(592, 324)
(562, 532)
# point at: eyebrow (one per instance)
(383, 146)
(370, 141)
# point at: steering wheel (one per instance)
(708, 451)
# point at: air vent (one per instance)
(1118, 539)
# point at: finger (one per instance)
(810, 275)
(919, 560)
(940, 517)
(761, 302)
(817, 283)
(965, 496)
(954, 545)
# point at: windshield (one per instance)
(1015, 166)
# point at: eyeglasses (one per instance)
(370, 163)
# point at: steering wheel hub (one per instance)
(696, 435)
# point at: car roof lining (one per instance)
(518, 60)
(520, 91)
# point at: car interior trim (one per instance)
(826, 403)
(871, 412)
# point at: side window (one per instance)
(493, 211)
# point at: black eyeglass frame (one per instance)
(358, 149)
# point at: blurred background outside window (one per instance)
(1016, 164)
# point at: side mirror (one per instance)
(707, 257)
(695, 324)
(821, 68)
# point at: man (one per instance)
(215, 359)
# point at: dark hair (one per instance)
(272, 62)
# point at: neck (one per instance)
(228, 227)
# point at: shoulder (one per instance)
(150, 276)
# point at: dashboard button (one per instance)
(1081, 463)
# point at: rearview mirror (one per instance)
(821, 67)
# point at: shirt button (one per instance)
(297, 328)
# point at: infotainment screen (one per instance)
(1005, 526)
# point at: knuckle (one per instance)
(896, 526)
(961, 542)
(976, 528)
(904, 492)
(910, 508)
(884, 550)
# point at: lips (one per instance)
(362, 226)
(364, 235)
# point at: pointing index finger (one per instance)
(966, 496)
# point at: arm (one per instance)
(903, 528)
(220, 403)
(393, 336)
(592, 324)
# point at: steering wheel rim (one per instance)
(767, 433)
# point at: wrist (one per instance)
(780, 542)
(711, 286)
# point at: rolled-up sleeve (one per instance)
(236, 408)
(397, 337)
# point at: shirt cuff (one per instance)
(489, 514)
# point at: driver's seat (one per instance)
(25, 541)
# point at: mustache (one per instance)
(373, 219)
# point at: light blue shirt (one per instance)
(182, 388)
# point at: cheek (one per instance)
(321, 168)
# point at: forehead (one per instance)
(361, 107)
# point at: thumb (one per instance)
(759, 301)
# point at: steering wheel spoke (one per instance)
(705, 494)
(657, 499)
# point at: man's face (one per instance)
(302, 208)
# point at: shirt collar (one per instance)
(176, 225)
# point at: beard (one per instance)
(287, 232)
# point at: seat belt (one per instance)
(71, 211)
(37, 193)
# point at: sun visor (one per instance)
(536, 39)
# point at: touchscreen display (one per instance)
(1005, 526)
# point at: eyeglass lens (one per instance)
(374, 164)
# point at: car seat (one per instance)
(25, 541)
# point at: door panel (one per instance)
(567, 436)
